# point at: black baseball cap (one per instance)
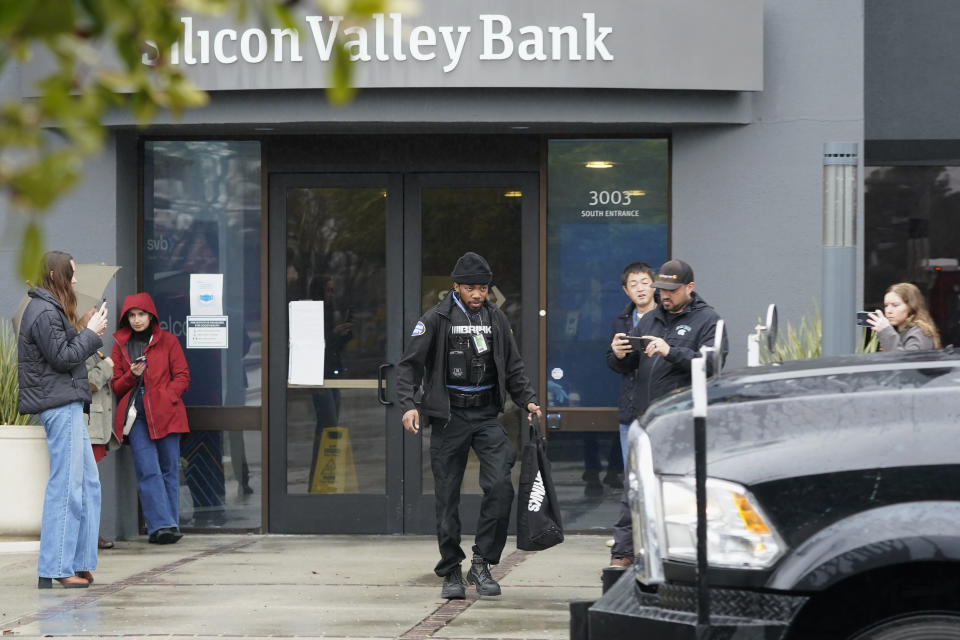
(673, 274)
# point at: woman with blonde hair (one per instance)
(904, 324)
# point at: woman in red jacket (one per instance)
(150, 374)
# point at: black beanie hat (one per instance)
(471, 269)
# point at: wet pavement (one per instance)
(277, 586)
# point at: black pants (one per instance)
(450, 444)
(623, 529)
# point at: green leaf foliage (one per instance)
(806, 340)
(73, 98)
(8, 377)
(31, 252)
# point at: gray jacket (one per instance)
(910, 339)
(51, 355)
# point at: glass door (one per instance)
(335, 449)
(447, 215)
(377, 250)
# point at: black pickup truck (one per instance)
(833, 506)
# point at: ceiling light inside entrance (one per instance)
(599, 164)
(513, 194)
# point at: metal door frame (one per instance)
(347, 513)
(419, 510)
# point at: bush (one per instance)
(806, 341)
(8, 377)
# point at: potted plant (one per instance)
(24, 462)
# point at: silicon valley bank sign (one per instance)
(387, 39)
(654, 44)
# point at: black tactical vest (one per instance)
(470, 351)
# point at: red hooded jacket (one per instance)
(166, 377)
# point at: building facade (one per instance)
(561, 142)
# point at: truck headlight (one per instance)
(738, 533)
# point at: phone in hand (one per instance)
(638, 343)
(140, 359)
(862, 318)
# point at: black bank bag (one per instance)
(538, 512)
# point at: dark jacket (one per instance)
(51, 356)
(685, 332)
(166, 377)
(623, 323)
(423, 363)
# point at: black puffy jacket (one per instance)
(51, 356)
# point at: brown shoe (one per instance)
(622, 563)
(103, 543)
(86, 575)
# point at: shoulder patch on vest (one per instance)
(419, 330)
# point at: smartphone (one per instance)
(141, 359)
(638, 343)
(862, 318)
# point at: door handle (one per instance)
(381, 389)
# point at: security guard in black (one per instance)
(464, 359)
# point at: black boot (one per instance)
(479, 575)
(453, 585)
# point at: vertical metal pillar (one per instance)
(839, 247)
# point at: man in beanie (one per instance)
(463, 359)
(675, 330)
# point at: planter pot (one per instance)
(24, 469)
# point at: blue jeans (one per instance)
(157, 463)
(624, 430)
(71, 505)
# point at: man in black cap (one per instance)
(464, 359)
(675, 331)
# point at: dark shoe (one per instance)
(168, 535)
(70, 582)
(103, 543)
(621, 563)
(453, 588)
(594, 488)
(86, 575)
(613, 479)
(479, 575)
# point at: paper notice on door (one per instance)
(307, 343)
(206, 294)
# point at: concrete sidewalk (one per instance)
(253, 586)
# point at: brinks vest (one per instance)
(470, 351)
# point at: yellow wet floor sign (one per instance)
(333, 470)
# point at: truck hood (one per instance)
(820, 416)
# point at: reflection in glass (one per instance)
(351, 456)
(223, 480)
(202, 215)
(335, 254)
(597, 223)
(607, 206)
(485, 220)
(911, 235)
